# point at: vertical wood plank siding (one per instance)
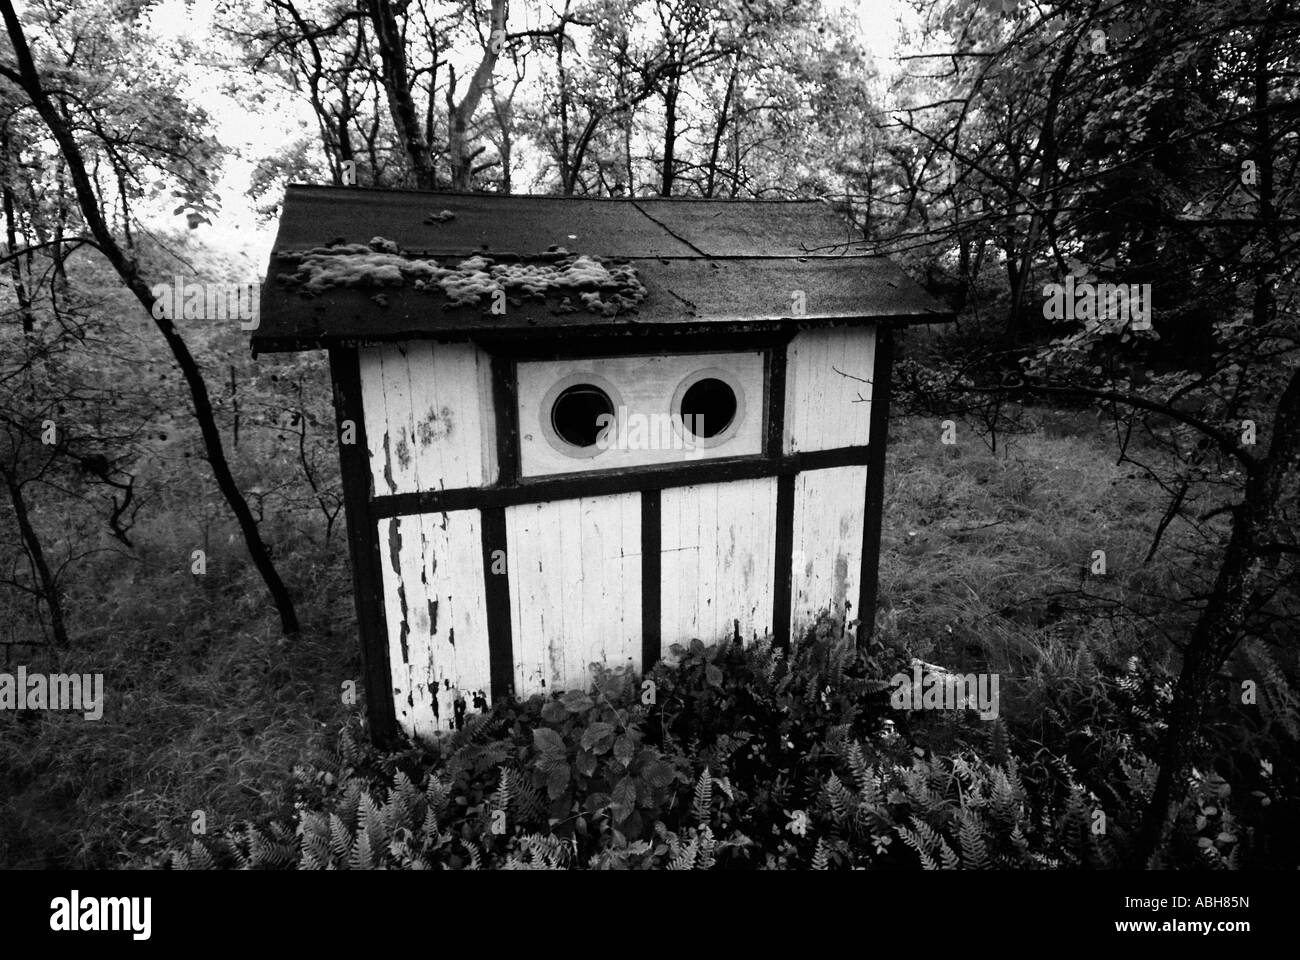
(605, 576)
(828, 388)
(575, 588)
(827, 538)
(436, 613)
(717, 575)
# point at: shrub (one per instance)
(726, 757)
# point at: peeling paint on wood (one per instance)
(435, 605)
(388, 465)
(575, 582)
(404, 625)
(432, 405)
(827, 544)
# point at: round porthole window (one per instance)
(578, 412)
(708, 407)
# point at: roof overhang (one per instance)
(719, 266)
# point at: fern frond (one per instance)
(930, 837)
(686, 859)
(242, 859)
(407, 796)
(437, 795)
(821, 855)
(918, 845)
(371, 823)
(200, 857)
(1018, 840)
(529, 802)
(860, 768)
(970, 837)
(1003, 801)
(315, 843)
(315, 852)
(543, 852)
(349, 750)
(267, 854)
(922, 798)
(505, 792)
(707, 848)
(363, 856)
(703, 797)
(340, 839)
(838, 798)
(949, 859)
(398, 812)
(1074, 827)
(350, 803)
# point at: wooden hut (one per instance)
(579, 430)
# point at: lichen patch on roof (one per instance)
(601, 285)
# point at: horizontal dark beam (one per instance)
(631, 480)
(649, 343)
(577, 326)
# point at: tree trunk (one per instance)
(397, 85)
(670, 136)
(1257, 522)
(49, 588)
(719, 130)
(579, 153)
(503, 110)
(29, 80)
(126, 210)
(1241, 577)
(61, 213)
(11, 237)
(459, 154)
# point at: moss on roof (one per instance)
(601, 285)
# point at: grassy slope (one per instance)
(206, 706)
(986, 556)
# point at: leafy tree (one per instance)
(65, 98)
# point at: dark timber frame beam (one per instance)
(363, 545)
(633, 480)
(872, 515)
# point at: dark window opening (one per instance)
(708, 407)
(575, 411)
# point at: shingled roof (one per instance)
(690, 263)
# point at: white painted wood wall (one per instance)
(828, 405)
(575, 589)
(575, 565)
(429, 419)
(644, 384)
(717, 566)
